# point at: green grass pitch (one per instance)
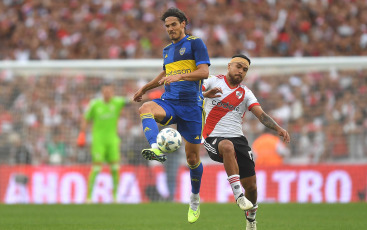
(163, 216)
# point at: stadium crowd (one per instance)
(323, 111)
(112, 29)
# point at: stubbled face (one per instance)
(107, 92)
(175, 29)
(237, 72)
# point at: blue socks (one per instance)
(150, 127)
(196, 171)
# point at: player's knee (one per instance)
(226, 148)
(145, 108)
(192, 159)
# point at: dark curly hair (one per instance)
(174, 12)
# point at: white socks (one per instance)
(154, 146)
(194, 201)
(234, 180)
(251, 214)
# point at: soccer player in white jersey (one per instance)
(225, 105)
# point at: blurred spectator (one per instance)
(324, 113)
(56, 148)
(269, 150)
(20, 153)
(89, 29)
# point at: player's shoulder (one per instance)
(243, 86)
(220, 76)
(248, 91)
(119, 99)
(95, 101)
(168, 46)
(192, 38)
(195, 41)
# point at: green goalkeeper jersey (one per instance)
(105, 116)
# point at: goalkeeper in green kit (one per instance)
(104, 114)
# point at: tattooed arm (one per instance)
(266, 120)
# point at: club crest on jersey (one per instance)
(182, 51)
(239, 94)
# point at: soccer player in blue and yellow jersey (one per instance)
(186, 65)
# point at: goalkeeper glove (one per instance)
(81, 139)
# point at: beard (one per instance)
(175, 36)
(235, 79)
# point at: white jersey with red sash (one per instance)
(224, 114)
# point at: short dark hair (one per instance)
(242, 56)
(107, 82)
(174, 12)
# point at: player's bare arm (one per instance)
(266, 120)
(201, 73)
(138, 96)
(213, 93)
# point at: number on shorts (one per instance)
(251, 155)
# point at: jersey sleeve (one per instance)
(89, 112)
(251, 100)
(200, 52)
(207, 85)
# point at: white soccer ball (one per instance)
(169, 140)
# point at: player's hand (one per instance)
(169, 79)
(138, 96)
(213, 93)
(81, 141)
(283, 133)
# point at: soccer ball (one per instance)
(169, 140)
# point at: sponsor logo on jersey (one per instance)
(179, 71)
(225, 105)
(182, 51)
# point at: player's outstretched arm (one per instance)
(81, 140)
(266, 120)
(138, 96)
(212, 93)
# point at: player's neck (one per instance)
(230, 84)
(178, 40)
(107, 99)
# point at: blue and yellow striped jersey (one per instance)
(184, 57)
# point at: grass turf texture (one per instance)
(160, 216)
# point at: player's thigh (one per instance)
(226, 147)
(153, 108)
(165, 113)
(211, 146)
(113, 152)
(98, 151)
(190, 123)
(244, 157)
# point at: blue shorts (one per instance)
(189, 119)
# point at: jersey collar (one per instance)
(182, 40)
(225, 79)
